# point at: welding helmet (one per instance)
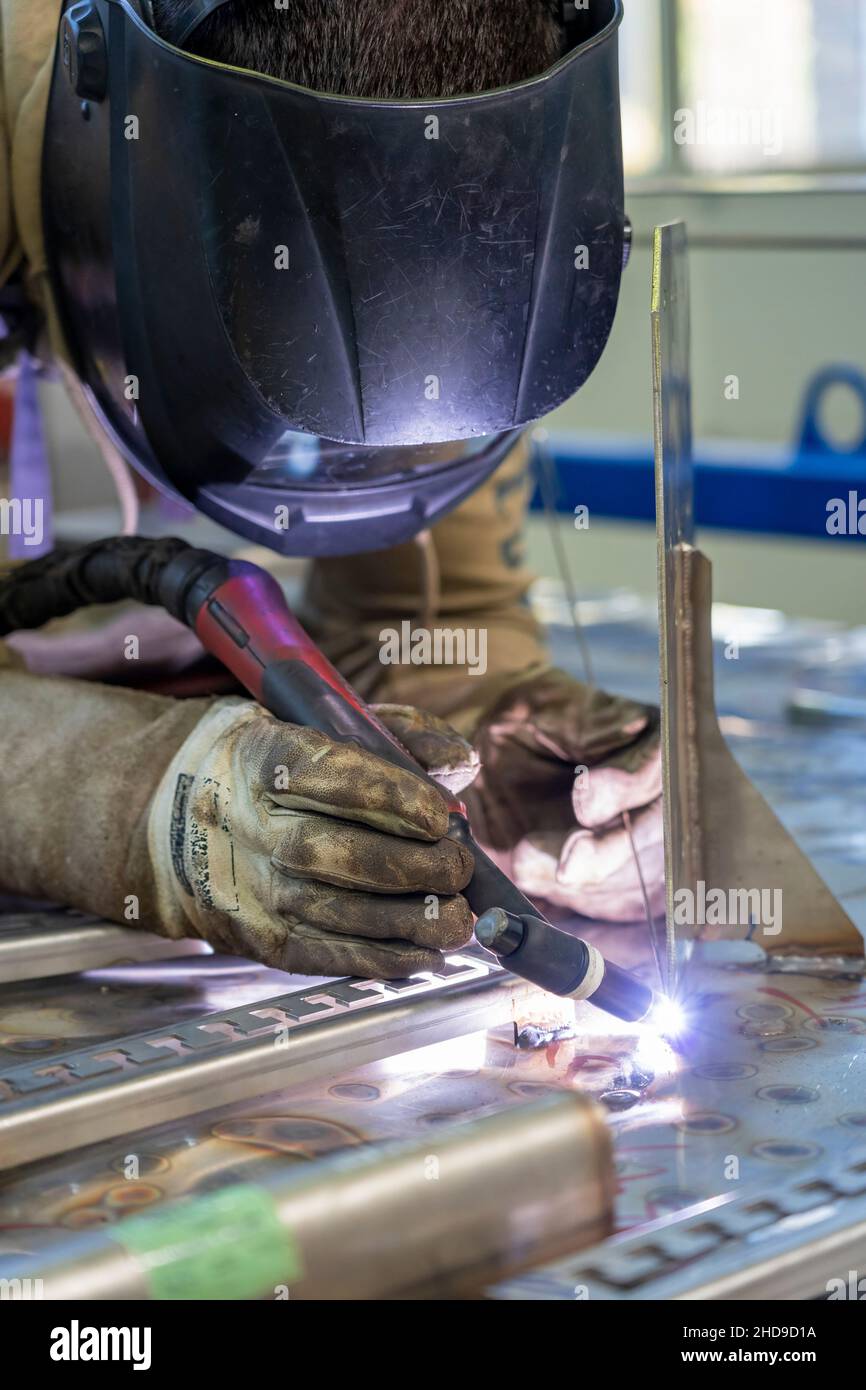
(322, 320)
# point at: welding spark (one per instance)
(667, 1017)
(659, 1037)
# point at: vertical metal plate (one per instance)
(672, 439)
(721, 836)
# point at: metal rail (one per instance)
(38, 945)
(76, 1098)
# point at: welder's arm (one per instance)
(78, 767)
(212, 819)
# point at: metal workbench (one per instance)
(749, 1146)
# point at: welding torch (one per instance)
(240, 615)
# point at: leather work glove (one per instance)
(213, 819)
(274, 842)
(560, 763)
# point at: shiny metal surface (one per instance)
(749, 1180)
(34, 945)
(52, 1105)
(772, 1076)
(672, 436)
(437, 1216)
(800, 1240)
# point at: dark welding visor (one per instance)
(237, 259)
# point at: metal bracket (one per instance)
(719, 830)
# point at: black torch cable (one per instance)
(69, 578)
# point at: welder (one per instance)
(312, 268)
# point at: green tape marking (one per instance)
(227, 1245)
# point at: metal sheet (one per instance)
(750, 1179)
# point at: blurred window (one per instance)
(743, 86)
(641, 69)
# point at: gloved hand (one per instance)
(560, 763)
(273, 842)
(213, 819)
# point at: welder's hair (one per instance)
(382, 48)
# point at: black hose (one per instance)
(105, 571)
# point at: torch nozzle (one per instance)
(562, 964)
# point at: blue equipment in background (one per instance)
(747, 488)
